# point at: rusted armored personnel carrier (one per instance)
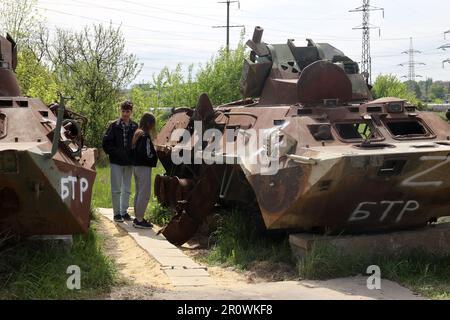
(309, 146)
(46, 174)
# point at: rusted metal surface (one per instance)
(41, 193)
(345, 162)
(8, 61)
(193, 209)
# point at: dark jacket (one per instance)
(144, 153)
(113, 143)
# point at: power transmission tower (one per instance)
(366, 61)
(444, 62)
(228, 3)
(411, 63)
(444, 47)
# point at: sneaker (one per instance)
(118, 218)
(127, 217)
(142, 225)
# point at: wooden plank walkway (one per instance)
(181, 270)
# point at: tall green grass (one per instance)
(237, 242)
(423, 272)
(37, 269)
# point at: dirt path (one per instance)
(140, 274)
(143, 279)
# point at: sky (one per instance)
(166, 32)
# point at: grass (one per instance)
(37, 270)
(424, 273)
(102, 195)
(238, 243)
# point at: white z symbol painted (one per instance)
(410, 181)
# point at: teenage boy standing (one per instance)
(117, 144)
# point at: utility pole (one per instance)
(366, 61)
(228, 3)
(411, 63)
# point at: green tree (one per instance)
(174, 88)
(35, 79)
(179, 87)
(414, 87)
(144, 100)
(221, 76)
(425, 88)
(92, 67)
(391, 86)
(437, 91)
(22, 20)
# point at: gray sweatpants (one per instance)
(121, 188)
(143, 179)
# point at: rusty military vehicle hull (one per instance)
(46, 173)
(329, 158)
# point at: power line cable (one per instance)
(121, 24)
(228, 26)
(141, 14)
(168, 10)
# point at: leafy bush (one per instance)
(390, 86)
(35, 79)
(219, 78)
